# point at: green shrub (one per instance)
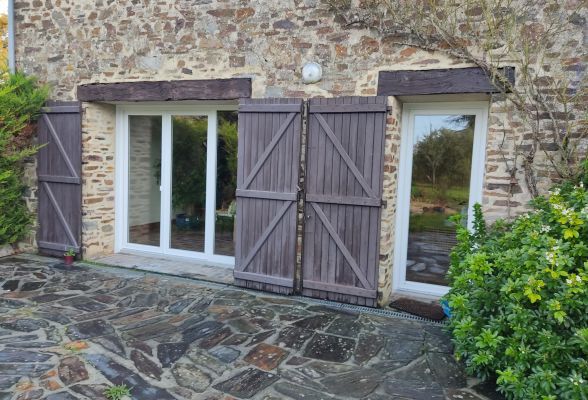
(20, 101)
(519, 298)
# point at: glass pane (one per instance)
(226, 183)
(144, 179)
(188, 195)
(442, 158)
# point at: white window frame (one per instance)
(400, 285)
(122, 182)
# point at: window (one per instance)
(440, 175)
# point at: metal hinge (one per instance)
(385, 203)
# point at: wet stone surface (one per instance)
(68, 334)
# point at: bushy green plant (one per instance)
(117, 392)
(20, 101)
(519, 298)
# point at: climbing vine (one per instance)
(545, 126)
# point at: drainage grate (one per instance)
(369, 310)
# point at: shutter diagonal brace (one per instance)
(60, 146)
(270, 228)
(350, 164)
(341, 246)
(60, 215)
(268, 150)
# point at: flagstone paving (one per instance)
(71, 333)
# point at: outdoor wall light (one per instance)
(311, 72)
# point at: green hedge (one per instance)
(519, 298)
(20, 101)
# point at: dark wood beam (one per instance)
(439, 81)
(206, 89)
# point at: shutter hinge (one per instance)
(389, 109)
(385, 203)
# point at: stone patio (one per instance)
(71, 333)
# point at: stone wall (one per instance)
(98, 141)
(67, 43)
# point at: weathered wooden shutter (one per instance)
(267, 183)
(59, 165)
(344, 169)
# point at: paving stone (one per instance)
(51, 297)
(449, 372)
(353, 384)
(201, 330)
(191, 377)
(31, 286)
(22, 356)
(293, 337)
(316, 322)
(11, 285)
(297, 360)
(242, 325)
(144, 347)
(412, 389)
(111, 343)
(169, 353)
(89, 329)
(488, 389)
(94, 392)
(345, 326)
(398, 348)
(119, 375)
(72, 370)
(202, 358)
(179, 306)
(145, 365)
(21, 338)
(24, 324)
(330, 368)
(190, 322)
(297, 392)
(61, 396)
(260, 337)
(30, 370)
(247, 383)
(368, 346)
(7, 381)
(460, 394)
(215, 338)
(30, 395)
(83, 303)
(265, 356)
(329, 348)
(59, 318)
(416, 371)
(225, 354)
(145, 300)
(294, 376)
(10, 303)
(151, 331)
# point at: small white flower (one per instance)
(578, 278)
(545, 228)
(569, 281)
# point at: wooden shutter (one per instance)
(267, 182)
(344, 169)
(59, 175)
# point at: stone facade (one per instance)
(98, 139)
(67, 43)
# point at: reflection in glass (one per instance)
(440, 187)
(226, 183)
(144, 179)
(188, 194)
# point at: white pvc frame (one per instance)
(400, 285)
(122, 181)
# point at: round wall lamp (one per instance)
(311, 72)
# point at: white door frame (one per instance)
(122, 177)
(480, 109)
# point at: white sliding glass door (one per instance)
(440, 175)
(176, 178)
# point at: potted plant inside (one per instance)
(68, 257)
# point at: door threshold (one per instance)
(183, 268)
